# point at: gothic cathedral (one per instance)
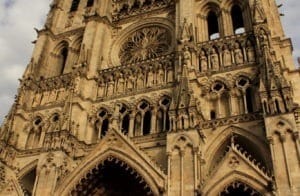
(156, 97)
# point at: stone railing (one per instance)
(48, 84)
(123, 9)
(230, 120)
(135, 78)
(64, 140)
(226, 53)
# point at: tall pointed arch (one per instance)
(117, 148)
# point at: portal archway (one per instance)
(238, 188)
(112, 177)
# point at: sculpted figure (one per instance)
(238, 54)
(214, 60)
(121, 84)
(130, 82)
(170, 76)
(186, 32)
(227, 61)
(160, 75)
(187, 57)
(150, 78)
(110, 87)
(203, 61)
(140, 80)
(250, 52)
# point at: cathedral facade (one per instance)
(156, 97)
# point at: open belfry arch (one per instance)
(156, 97)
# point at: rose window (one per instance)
(144, 44)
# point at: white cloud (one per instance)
(19, 17)
(17, 20)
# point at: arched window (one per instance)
(213, 25)
(237, 20)
(102, 124)
(213, 115)
(147, 123)
(142, 124)
(137, 124)
(90, 3)
(163, 120)
(74, 6)
(104, 127)
(125, 119)
(249, 100)
(63, 59)
(277, 105)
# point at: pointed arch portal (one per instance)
(112, 177)
(237, 189)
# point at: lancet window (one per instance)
(213, 25)
(90, 3)
(102, 123)
(74, 5)
(142, 124)
(35, 132)
(163, 120)
(125, 119)
(63, 59)
(237, 20)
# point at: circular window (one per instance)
(38, 121)
(242, 82)
(146, 43)
(217, 87)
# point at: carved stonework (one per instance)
(155, 97)
(144, 44)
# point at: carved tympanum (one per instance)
(144, 44)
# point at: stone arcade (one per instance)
(156, 97)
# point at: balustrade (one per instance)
(141, 76)
(126, 8)
(226, 53)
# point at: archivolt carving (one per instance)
(144, 44)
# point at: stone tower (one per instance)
(156, 97)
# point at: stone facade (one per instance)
(156, 97)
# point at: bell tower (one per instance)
(156, 97)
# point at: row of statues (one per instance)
(214, 59)
(137, 79)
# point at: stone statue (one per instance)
(130, 82)
(110, 87)
(187, 57)
(160, 75)
(140, 80)
(186, 32)
(203, 61)
(121, 84)
(250, 52)
(214, 60)
(238, 54)
(227, 61)
(150, 78)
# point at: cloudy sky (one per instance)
(19, 17)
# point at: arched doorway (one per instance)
(112, 178)
(237, 189)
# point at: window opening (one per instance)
(213, 26)
(147, 123)
(249, 101)
(237, 20)
(74, 5)
(90, 3)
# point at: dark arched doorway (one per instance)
(239, 189)
(112, 178)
